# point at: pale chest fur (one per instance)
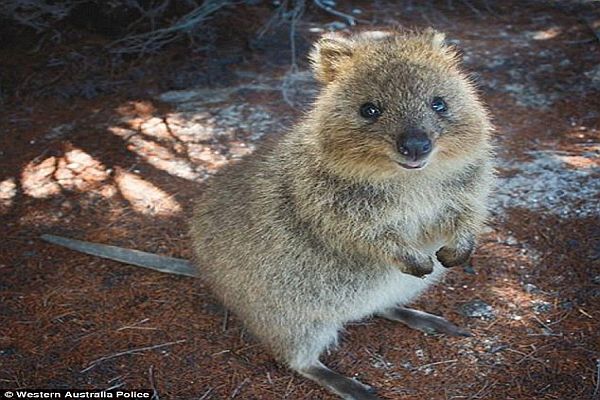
(425, 212)
(425, 220)
(390, 289)
(420, 220)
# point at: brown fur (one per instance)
(323, 226)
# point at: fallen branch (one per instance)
(38, 15)
(149, 42)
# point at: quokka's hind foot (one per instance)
(423, 321)
(346, 388)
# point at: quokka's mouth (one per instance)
(413, 164)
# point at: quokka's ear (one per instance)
(439, 44)
(328, 54)
(437, 39)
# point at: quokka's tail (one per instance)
(169, 265)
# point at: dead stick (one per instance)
(205, 394)
(597, 388)
(155, 395)
(132, 351)
(349, 18)
(237, 389)
(437, 363)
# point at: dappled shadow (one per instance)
(186, 143)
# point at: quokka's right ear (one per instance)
(329, 54)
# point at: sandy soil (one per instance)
(121, 163)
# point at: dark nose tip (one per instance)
(414, 147)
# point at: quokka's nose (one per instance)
(414, 147)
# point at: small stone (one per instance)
(531, 288)
(596, 279)
(8, 351)
(477, 309)
(547, 332)
(511, 241)
(469, 269)
(497, 348)
(594, 76)
(380, 363)
(427, 370)
(335, 26)
(565, 63)
(407, 365)
(595, 254)
(573, 243)
(566, 305)
(540, 306)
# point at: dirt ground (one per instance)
(119, 159)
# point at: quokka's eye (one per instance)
(370, 111)
(439, 105)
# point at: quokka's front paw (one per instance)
(450, 257)
(418, 266)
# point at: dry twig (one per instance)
(289, 79)
(237, 389)
(597, 387)
(472, 7)
(132, 351)
(38, 15)
(135, 326)
(152, 41)
(437, 363)
(115, 386)
(486, 387)
(205, 394)
(155, 395)
(349, 18)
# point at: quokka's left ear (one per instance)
(438, 42)
(437, 39)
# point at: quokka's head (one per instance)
(394, 103)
